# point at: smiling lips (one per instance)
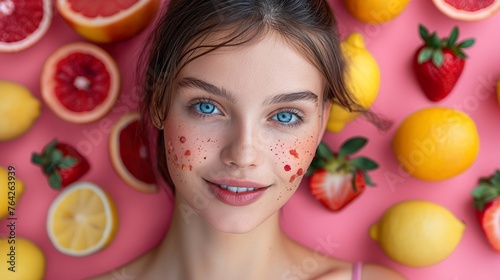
(237, 193)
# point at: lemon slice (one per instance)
(82, 220)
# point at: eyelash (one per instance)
(196, 112)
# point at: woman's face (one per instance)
(241, 131)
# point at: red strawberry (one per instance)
(439, 63)
(62, 164)
(336, 180)
(487, 202)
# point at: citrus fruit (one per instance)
(108, 21)
(27, 259)
(129, 154)
(417, 233)
(468, 10)
(23, 23)
(362, 80)
(375, 11)
(82, 219)
(80, 82)
(436, 143)
(11, 189)
(19, 110)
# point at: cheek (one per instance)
(185, 149)
(293, 159)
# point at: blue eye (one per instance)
(206, 108)
(286, 117)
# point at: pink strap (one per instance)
(356, 271)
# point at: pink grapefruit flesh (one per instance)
(468, 10)
(23, 23)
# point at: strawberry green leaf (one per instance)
(368, 180)
(364, 163)
(324, 152)
(453, 37)
(465, 44)
(56, 156)
(438, 57)
(37, 159)
(351, 146)
(424, 55)
(495, 179)
(49, 148)
(67, 162)
(55, 180)
(435, 41)
(424, 33)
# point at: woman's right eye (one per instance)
(206, 108)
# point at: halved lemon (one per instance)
(82, 220)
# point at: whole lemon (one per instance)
(436, 143)
(18, 110)
(21, 259)
(375, 11)
(362, 80)
(10, 190)
(417, 233)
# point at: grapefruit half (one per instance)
(23, 23)
(108, 21)
(129, 154)
(80, 82)
(468, 10)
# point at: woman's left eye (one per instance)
(287, 117)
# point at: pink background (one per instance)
(144, 217)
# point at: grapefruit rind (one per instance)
(463, 15)
(114, 152)
(48, 84)
(35, 36)
(109, 211)
(120, 26)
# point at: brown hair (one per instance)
(309, 25)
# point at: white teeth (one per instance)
(236, 189)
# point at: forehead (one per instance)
(268, 64)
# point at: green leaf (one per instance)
(36, 159)
(49, 148)
(55, 180)
(368, 180)
(56, 156)
(438, 58)
(435, 41)
(495, 179)
(465, 44)
(364, 163)
(67, 162)
(352, 145)
(424, 33)
(478, 191)
(324, 152)
(424, 55)
(453, 37)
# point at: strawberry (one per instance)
(62, 164)
(487, 203)
(439, 63)
(335, 178)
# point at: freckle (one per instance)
(292, 178)
(287, 167)
(187, 153)
(183, 139)
(294, 153)
(300, 172)
(190, 168)
(204, 157)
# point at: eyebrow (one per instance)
(221, 92)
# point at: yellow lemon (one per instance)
(362, 80)
(375, 11)
(417, 233)
(21, 259)
(19, 109)
(82, 220)
(11, 189)
(436, 143)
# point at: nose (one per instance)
(241, 149)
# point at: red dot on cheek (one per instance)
(182, 139)
(287, 167)
(187, 153)
(300, 172)
(294, 153)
